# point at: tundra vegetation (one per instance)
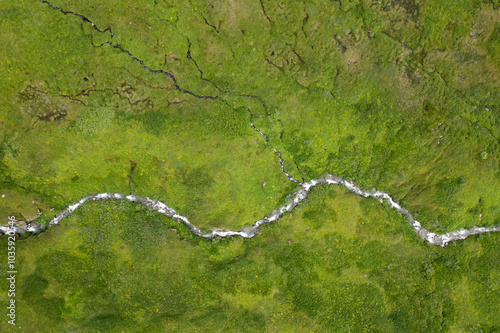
(398, 95)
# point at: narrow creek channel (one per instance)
(250, 231)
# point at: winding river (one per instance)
(250, 231)
(294, 199)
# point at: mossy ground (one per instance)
(339, 263)
(397, 95)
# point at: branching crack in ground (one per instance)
(294, 199)
(295, 163)
(213, 26)
(198, 67)
(159, 71)
(119, 47)
(85, 19)
(264, 13)
(289, 176)
(172, 77)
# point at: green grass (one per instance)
(401, 96)
(114, 267)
